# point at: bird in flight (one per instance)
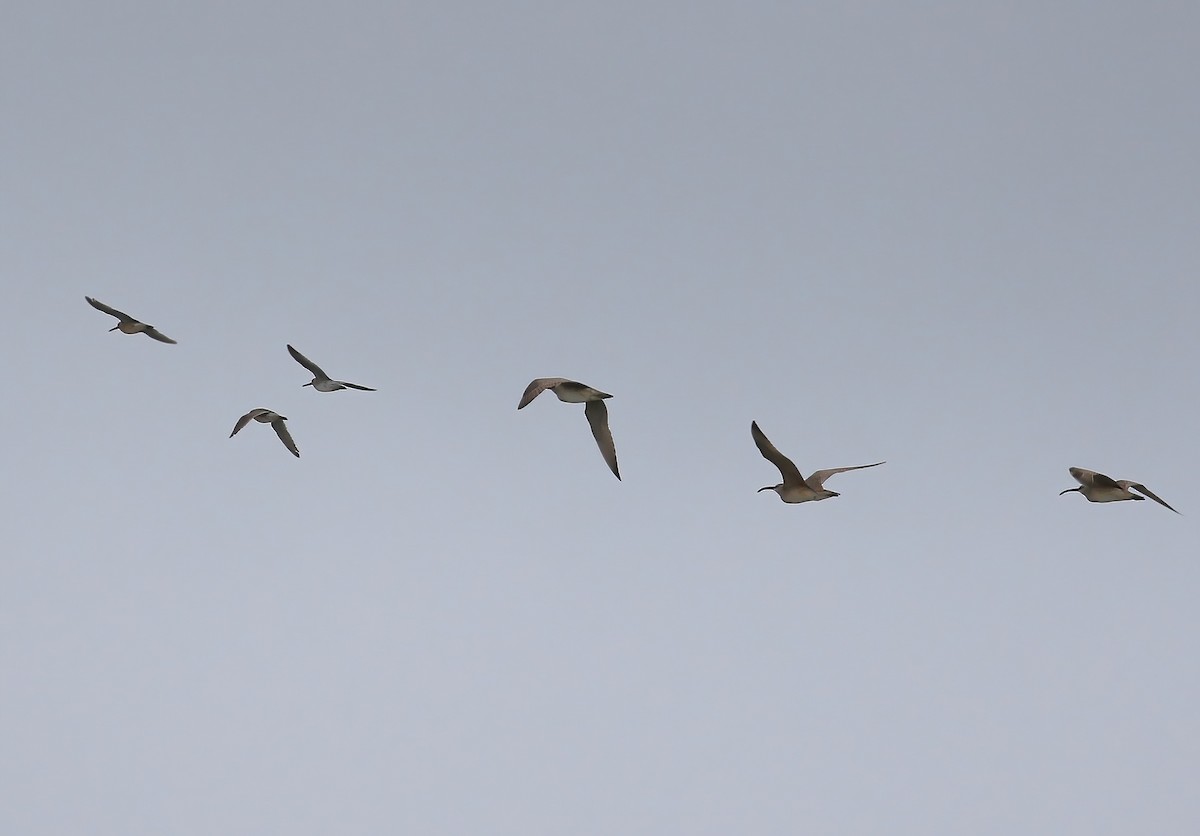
(1096, 487)
(321, 381)
(570, 391)
(795, 488)
(127, 324)
(267, 416)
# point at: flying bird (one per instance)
(321, 381)
(1096, 487)
(570, 391)
(266, 416)
(127, 324)
(795, 488)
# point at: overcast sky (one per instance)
(961, 237)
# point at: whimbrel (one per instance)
(796, 488)
(594, 410)
(1096, 487)
(127, 324)
(266, 416)
(321, 381)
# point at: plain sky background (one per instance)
(961, 237)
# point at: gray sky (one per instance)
(958, 237)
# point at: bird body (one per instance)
(267, 416)
(127, 324)
(570, 391)
(1096, 487)
(794, 494)
(795, 488)
(321, 381)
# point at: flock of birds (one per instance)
(1095, 487)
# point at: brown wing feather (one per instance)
(281, 430)
(536, 387)
(243, 421)
(788, 470)
(100, 306)
(817, 480)
(1089, 478)
(1143, 489)
(308, 364)
(597, 416)
(158, 335)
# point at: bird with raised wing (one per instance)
(570, 391)
(267, 416)
(795, 488)
(321, 381)
(127, 324)
(1096, 487)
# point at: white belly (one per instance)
(1109, 495)
(575, 395)
(793, 495)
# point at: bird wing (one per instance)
(1090, 478)
(281, 430)
(100, 306)
(789, 471)
(1142, 489)
(244, 420)
(597, 416)
(308, 364)
(538, 386)
(817, 480)
(356, 386)
(158, 335)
